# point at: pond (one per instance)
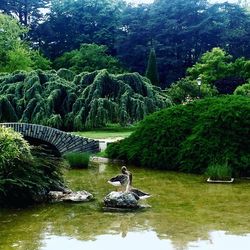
(185, 213)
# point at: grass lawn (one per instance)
(110, 132)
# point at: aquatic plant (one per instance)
(191, 137)
(88, 100)
(77, 160)
(219, 172)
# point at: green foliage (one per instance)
(39, 61)
(187, 90)
(77, 160)
(13, 148)
(26, 175)
(191, 137)
(219, 172)
(18, 59)
(88, 58)
(71, 23)
(27, 12)
(14, 51)
(66, 74)
(152, 72)
(213, 65)
(182, 32)
(243, 89)
(216, 67)
(88, 100)
(7, 112)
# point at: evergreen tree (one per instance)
(151, 72)
(74, 102)
(71, 23)
(27, 12)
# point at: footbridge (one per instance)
(64, 142)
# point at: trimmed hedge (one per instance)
(191, 137)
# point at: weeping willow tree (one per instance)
(74, 102)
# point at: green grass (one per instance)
(110, 132)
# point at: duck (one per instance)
(138, 194)
(123, 180)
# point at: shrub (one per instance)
(191, 137)
(243, 89)
(77, 160)
(26, 175)
(186, 89)
(219, 172)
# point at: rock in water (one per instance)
(79, 196)
(121, 200)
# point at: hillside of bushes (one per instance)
(191, 137)
(67, 101)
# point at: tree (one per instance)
(75, 102)
(71, 23)
(132, 43)
(227, 26)
(213, 65)
(15, 52)
(28, 12)
(152, 72)
(89, 57)
(218, 68)
(182, 32)
(187, 90)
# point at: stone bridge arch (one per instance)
(64, 142)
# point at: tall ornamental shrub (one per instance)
(75, 102)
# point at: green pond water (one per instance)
(185, 213)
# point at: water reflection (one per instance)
(186, 213)
(147, 240)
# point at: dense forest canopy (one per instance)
(179, 31)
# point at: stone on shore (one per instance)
(79, 196)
